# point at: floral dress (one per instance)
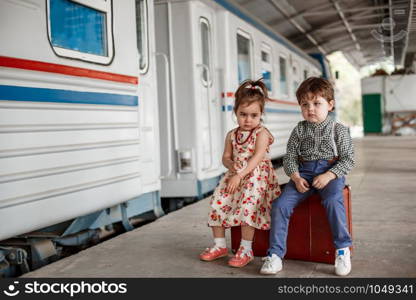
(251, 203)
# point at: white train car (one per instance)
(251, 51)
(190, 108)
(79, 141)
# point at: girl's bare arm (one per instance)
(227, 157)
(262, 142)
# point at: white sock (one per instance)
(246, 245)
(220, 242)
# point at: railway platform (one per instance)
(384, 230)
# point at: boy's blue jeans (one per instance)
(332, 200)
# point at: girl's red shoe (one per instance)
(241, 258)
(213, 253)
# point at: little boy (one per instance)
(319, 154)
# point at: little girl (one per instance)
(244, 195)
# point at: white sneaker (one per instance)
(272, 265)
(343, 261)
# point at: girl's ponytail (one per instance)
(251, 91)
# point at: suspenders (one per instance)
(334, 145)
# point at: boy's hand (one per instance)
(233, 183)
(322, 180)
(301, 184)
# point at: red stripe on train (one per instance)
(18, 63)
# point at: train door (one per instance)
(147, 92)
(239, 66)
(209, 113)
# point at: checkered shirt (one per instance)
(312, 141)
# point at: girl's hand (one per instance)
(322, 180)
(235, 167)
(231, 166)
(233, 184)
(240, 167)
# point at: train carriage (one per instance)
(79, 129)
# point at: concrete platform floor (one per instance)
(384, 229)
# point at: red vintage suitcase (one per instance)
(309, 237)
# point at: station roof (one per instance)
(366, 31)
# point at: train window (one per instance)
(81, 29)
(266, 68)
(206, 51)
(243, 57)
(295, 78)
(267, 79)
(265, 57)
(283, 76)
(142, 34)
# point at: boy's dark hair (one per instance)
(251, 91)
(317, 87)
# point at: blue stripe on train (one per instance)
(18, 93)
(268, 110)
(227, 108)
